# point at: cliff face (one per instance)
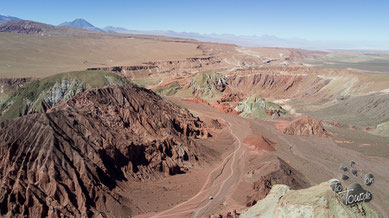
(169, 68)
(280, 82)
(68, 160)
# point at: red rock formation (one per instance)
(226, 108)
(232, 97)
(337, 124)
(303, 125)
(68, 161)
(197, 100)
(352, 127)
(222, 107)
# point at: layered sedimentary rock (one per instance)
(177, 67)
(278, 82)
(69, 160)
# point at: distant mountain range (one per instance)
(5, 18)
(82, 24)
(241, 40)
(260, 41)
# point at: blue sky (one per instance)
(357, 20)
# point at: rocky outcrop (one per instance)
(14, 82)
(227, 103)
(316, 201)
(222, 107)
(257, 107)
(382, 129)
(68, 161)
(207, 85)
(216, 124)
(226, 108)
(232, 97)
(197, 100)
(304, 126)
(8, 85)
(229, 214)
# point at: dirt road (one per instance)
(222, 179)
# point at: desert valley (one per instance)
(106, 124)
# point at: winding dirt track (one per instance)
(220, 181)
(210, 186)
(222, 186)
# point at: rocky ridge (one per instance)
(41, 95)
(69, 160)
(26, 27)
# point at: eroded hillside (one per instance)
(69, 160)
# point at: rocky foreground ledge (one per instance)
(316, 201)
